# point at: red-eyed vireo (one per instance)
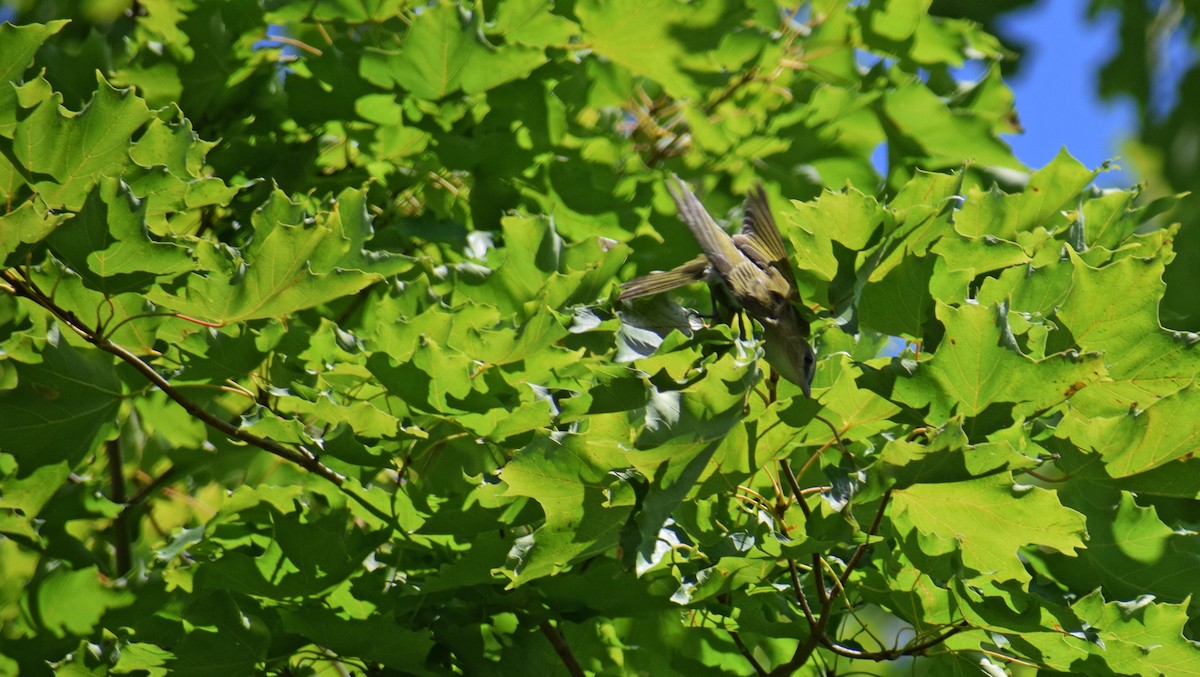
(752, 266)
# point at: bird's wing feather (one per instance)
(714, 242)
(661, 281)
(758, 227)
(753, 250)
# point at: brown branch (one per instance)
(785, 469)
(144, 493)
(862, 547)
(1050, 480)
(800, 596)
(818, 578)
(122, 548)
(663, 150)
(737, 640)
(561, 648)
(303, 458)
(817, 630)
(891, 654)
(748, 75)
(283, 39)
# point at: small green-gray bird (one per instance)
(752, 266)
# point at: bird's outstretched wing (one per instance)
(661, 281)
(761, 240)
(716, 244)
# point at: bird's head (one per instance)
(788, 352)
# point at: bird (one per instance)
(752, 269)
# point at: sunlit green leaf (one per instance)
(987, 521)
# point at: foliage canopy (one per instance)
(310, 353)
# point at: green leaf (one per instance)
(354, 11)
(73, 602)
(976, 367)
(1140, 637)
(1145, 362)
(67, 152)
(897, 20)
(921, 125)
(1051, 190)
(639, 36)
(28, 224)
(18, 45)
(584, 505)
(294, 262)
(1141, 439)
(61, 408)
(108, 245)
(1127, 545)
(377, 638)
(445, 51)
(987, 521)
(534, 23)
(22, 499)
(144, 657)
(897, 303)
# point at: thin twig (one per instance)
(833, 429)
(301, 457)
(561, 648)
(144, 493)
(304, 459)
(800, 596)
(786, 470)
(862, 547)
(889, 654)
(737, 640)
(817, 631)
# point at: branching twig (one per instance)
(800, 596)
(302, 457)
(889, 654)
(785, 469)
(819, 623)
(837, 438)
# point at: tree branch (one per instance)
(737, 640)
(301, 457)
(561, 648)
(800, 596)
(862, 547)
(891, 654)
(122, 548)
(817, 637)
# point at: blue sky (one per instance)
(1056, 88)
